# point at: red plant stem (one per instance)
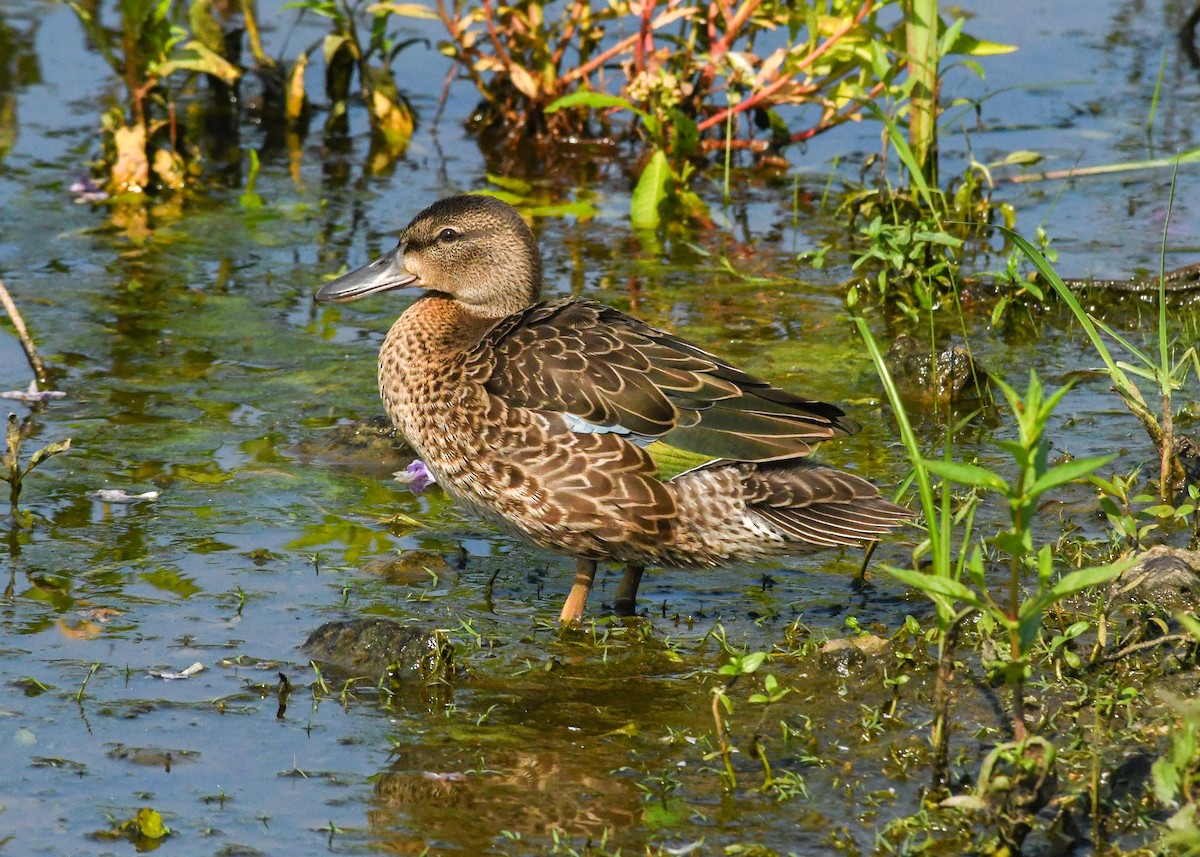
(494, 35)
(732, 26)
(645, 43)
(452, 27)
(761, 95)
(833, 121)
(617, 49)
(753, 101)
(568, 31)
(600, 59)
(720, 46)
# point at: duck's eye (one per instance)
(447, 235)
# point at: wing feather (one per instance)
(611, 370)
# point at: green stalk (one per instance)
(1015, 652)
(1154, 99)
(921, 37)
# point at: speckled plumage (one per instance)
(536, 416)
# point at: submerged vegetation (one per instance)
(1020, 676)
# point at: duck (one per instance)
(549, 419)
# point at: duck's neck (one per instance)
(423, 366)
(436, 329)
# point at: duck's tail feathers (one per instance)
(748, 511)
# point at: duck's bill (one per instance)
(384, 274)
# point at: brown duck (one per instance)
(544, 417)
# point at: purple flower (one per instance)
(86, 190)
(416, 476)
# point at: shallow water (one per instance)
(196, 365)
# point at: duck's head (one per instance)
(476, 249)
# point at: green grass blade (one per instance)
(1051, 276)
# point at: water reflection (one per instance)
(19, 69)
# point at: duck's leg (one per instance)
(627, 592)
(585, 572)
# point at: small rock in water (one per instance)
(370, 446)
(411, 568)
(1163, 576)
(374, 647)
(948, 376)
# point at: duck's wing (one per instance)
(609, 372)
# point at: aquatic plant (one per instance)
(1176, 773)
(145, 148)
(664, 178)
(958, 586)
(913, 238)
(348, 54)
(710, 90)
(738, 664)
(10, 464)
(913, 232)
(1166, 370)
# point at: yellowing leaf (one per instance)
(524, 82)
(147, 823)
(974, 47)
(131, 171)
(202, 59)
(296, 98)
(407, 10)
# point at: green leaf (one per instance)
(933, 584)
(651, 190)
(406, 10)
(752, 662)
(201, 59)
(594, 100)
(966, 474)
(973, 47)
(1066, 472)
(47, 451)
(1075, 629)
(1021, 157)
(951, 36)
(580, 209)
(685, 136)
(1069, 584)
(514, 185)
